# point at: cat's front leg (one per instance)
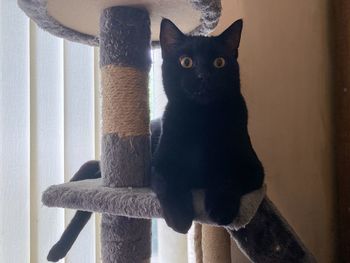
(222, 204)
(176, 203)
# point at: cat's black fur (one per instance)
(204, 141)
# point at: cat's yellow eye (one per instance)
(219, 62)
(186, 62)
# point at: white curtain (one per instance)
(49, 126)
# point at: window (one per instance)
(49, 126)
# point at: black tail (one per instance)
(89, 170)
(61, 248)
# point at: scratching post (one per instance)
(215, 245)
(125, 62)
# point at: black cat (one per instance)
(204, 141)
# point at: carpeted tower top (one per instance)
(78, 20)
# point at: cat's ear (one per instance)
(232, 35)
(170, 36)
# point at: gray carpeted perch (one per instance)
(91, 195)
(260, 231)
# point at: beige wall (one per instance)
(286, 79)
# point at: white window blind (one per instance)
(47, 131)
(49, 126)
(46, 137)
(14, 134)
(79, 127)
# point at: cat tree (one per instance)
(124, 29)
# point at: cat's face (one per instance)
(200, 69)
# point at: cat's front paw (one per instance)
(222, 208)
(178, 219)
(178, 210)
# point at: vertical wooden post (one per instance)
(342, 120)
(125, 62)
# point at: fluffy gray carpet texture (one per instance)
(91, 195)
(37, 10)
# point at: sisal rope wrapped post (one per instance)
(125, 160)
